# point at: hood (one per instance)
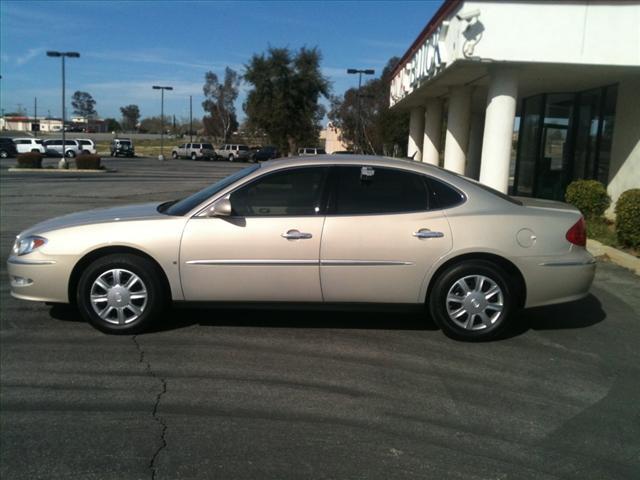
(140, 211)
(547, 204)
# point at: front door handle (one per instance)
(426, 233)
(296, 235)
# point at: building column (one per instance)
(498, 129)
(457, 137)
(416, 132)
(475, 146)
(432, 132)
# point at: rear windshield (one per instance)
(125, 142)
(84, 142)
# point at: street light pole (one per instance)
(162, 89)
(63, 162)
(352, 71)
(190, 119)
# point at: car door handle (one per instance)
(296, 235)
(426, 233)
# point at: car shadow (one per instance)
(582, 313)
(575, 315)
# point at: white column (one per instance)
(416, 132)
(457, 137)
(475, 145)
(498, 128)
(432, 132)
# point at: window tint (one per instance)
(84, 142)
(291, 192)
(22, 142)
(320, 151)
(39, 142)
(243, 148)
(207, 146)
(445, 195)
(367, 190)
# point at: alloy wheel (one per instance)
(118, 296)
(475, 302)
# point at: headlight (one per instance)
(25, 245)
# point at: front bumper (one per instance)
(38, 279)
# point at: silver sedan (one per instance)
(319, 230)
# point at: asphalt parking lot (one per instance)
(248, 394)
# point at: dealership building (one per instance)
(527, 96)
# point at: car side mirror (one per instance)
(221, 208)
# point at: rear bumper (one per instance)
(551, 280)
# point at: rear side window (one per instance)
(243, 147)
(368, 190)
(444, 196)
(208, 146)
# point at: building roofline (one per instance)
(445, 9)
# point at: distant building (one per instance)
(25, 124)
(331, 136)
(564, 74)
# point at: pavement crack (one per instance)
(154, 413)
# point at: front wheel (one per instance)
(472, 301)
(120, 294)
(174, 155)
(194, 156)
(231, 158)
(4, 154)
(71, 154)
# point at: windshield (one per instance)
(187, 204)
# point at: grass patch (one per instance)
(603, 231)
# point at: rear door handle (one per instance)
(296, 235)
(426, 233)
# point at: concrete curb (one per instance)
(58, 170)
(618, 257)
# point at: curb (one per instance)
(58, 170)
(618, 257)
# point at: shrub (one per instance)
(588, 196)
(88, 162)
(29, 160)
(628, 218)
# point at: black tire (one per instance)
(71, 154)
(231, 158)
(194, 156)
(174, 155)
(4, 154)
(475, 329)
(149, 276)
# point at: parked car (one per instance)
(194, 151)
(122, 146)
(87, 145)
(311, 151)
(29, 144)
(363, 230)
(262, 154)
(7, 147)
(53, 147)
(233, 152)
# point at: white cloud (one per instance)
(30, 55)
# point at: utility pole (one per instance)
(162, 89)
(352, 71)
(190, 119)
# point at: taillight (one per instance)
(578, 233)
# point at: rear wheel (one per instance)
(120, 294)
(472, 300)
(231, 158)
(71, 154)
(4, 154)
(193, 156)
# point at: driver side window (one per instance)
(295, 192)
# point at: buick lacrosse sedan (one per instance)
(321, 230)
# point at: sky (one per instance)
(126, 47)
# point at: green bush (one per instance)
(29, 160)
(628, 218)
(88, 162)
(588, 196)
